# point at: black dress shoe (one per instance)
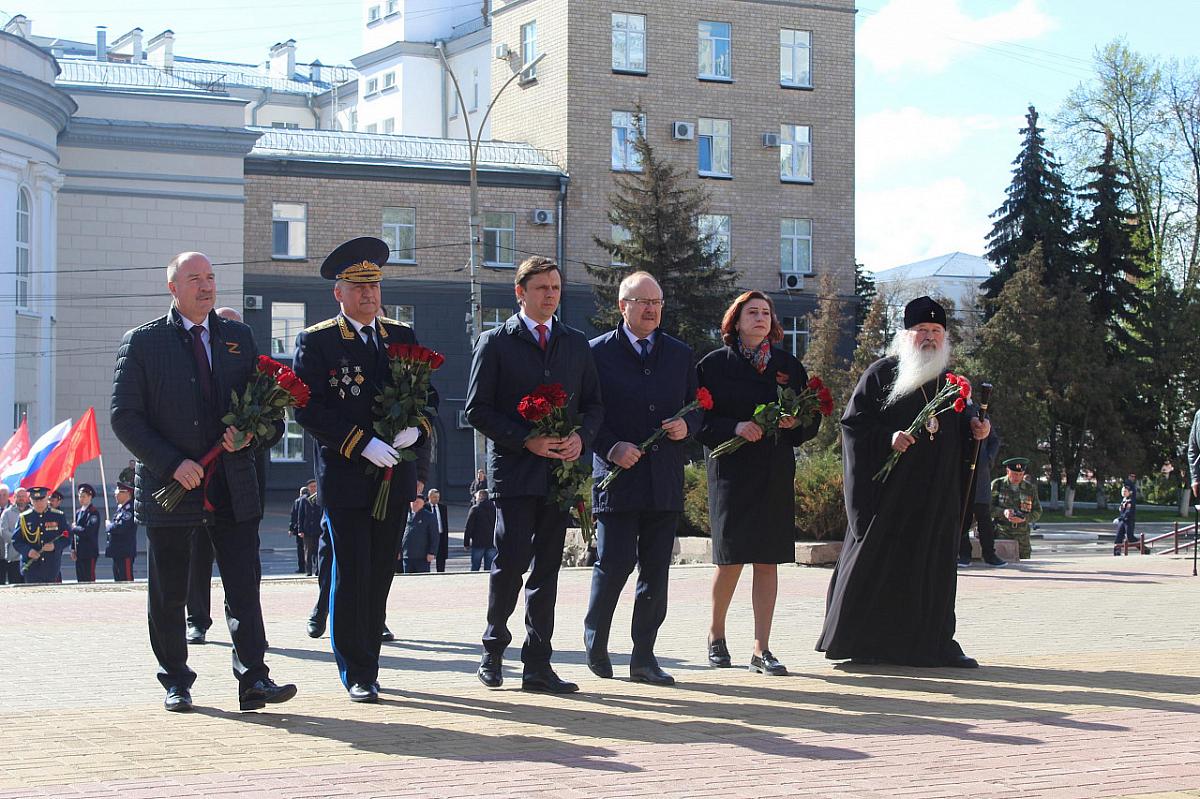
(547, 682)
(994, 560)
(386, 635)
(599, 663)
(490, 672)
(650, 673)
(766, 663)
(961, 662)
(178, 700)
(718, 654)
(316, 628)
(264, 692)
(195, 635)
(361, 692)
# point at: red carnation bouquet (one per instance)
(812, 401)
(951, 396)
(401, 404)
(703, 401)
(546, 409)
(265, 400)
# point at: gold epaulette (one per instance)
(395, 322)
(321, 325)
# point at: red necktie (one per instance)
(541, 331)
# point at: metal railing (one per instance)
(210, 81)
(1177, 545)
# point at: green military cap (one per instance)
(1017, 464)
(38, 492)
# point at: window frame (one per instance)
(618, 234)
(789, 144)
(500, 316)
(498, 244)
(389, 125)
(374, 14)
(302, 221)
(397, 228)
(23, 267)
(293, 435)
(701, 38)
(794, 240)
(529, 50)
(635, 125)
(389, 80)
(391, 8)
(372, 86)
(713, 138)
(21, 412)
(628, 33)
(705, 227)
(795, 49)
(288, 336)
(795, 331)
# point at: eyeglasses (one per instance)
(645, 301)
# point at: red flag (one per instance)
(80, 446)
(16, 448)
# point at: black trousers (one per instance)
(530, 534)
(623, 539)
(122, 570)
(10, 572)
(199, 595)
(981, 514)
(364, 554)
(323, 570)
(417, 566)
(235, 546)
(311, 545)
(85, 570)
(300, 560)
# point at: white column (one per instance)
(46, 182)
(12, 169)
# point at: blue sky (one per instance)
(942, 86)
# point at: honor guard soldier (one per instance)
(85, 536)
(39, 536)
(122, 535)
(1015, 505)
(344, 362)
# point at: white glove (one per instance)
(406, 438)
(380, 454)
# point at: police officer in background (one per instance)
(344, 362)
(40, 538)
(121, 532)
(85, 536)
(1015, 505)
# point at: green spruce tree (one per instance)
(823, 358)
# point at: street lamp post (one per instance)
(473, 141)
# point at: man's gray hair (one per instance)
(632, 278)
(174, 264)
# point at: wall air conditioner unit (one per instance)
(461, 421)
(503, 52)
(542, 216)
(252, 302)
(770, 140)
(683, 131)
(790, 281)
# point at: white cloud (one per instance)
(930, 34)
(897, 138)
(908, 223)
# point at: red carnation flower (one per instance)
(960, 405)
(436, 359)
(815, 383)
(704, 397)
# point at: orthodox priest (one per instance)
(891, 598)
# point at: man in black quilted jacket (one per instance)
(173, 377)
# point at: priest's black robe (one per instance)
(891, 597)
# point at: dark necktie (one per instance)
(644, 345)
(369, 332)
(203, 368)
(542, 337)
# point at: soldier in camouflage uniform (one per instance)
(1015, 505)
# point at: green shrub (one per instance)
(695, 501)
(820, 508)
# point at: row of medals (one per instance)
(354, 382)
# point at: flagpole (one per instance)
(104, 486)
(74, 498)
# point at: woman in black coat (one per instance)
(751, 494)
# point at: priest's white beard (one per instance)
(916, 366)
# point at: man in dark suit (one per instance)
(442, 519)
(647, 376)
(344, 362)
(294, 531)
(85, 536)
(121, 539)
(173, 377)
(532, 348)
(419, 547)
(479, 533)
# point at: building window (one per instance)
(716, 57)
(716, 147)
(451, 100)
(529, 49)
(795, 58)
(714, 236)
(393, 6)
(372, 14)
(286, 125)
(499, 239)
(291, 446)
(20, 413)
(618, 235)
(287, 320)
(795, 153)
(475, 90)
(626, 127)
(372, 86)
(24, 249)
(372, 128)
(288, 230)
(494, 317)
(795, 334)
(389, 125)
(389, 80)
(404, 314)
(400, 233)
(629, 43)
(795, 246)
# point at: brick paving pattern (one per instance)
(1090, 688)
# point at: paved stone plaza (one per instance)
(1090, 688)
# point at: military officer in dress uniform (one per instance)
(1015, 505)
(85, 536)
(122, 535)
(39, 535)
(344, 362)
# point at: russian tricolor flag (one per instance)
(15, 474)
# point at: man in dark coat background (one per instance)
(172, 378)
(442, 521)
(891, 597)
(531, 348)
(479, 532)
(85, 535)
(647, 376)
(419, 546)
